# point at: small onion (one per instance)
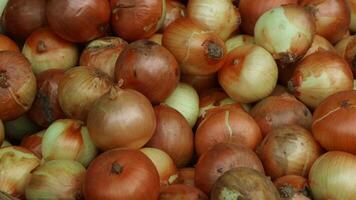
(292, 187)
(175, 10)
(286, 32)
(198, 50)
(34, 143)
(56, 179)
(347, 49)
(2, 133)
(19, 128)
(7, 44)
(45, 50)
(157, 38)
(246, 67)
(320, 75)
(200, 82)
(186, 176)
(352, 7)
(237, 41)
(17, 85)
(180, 192)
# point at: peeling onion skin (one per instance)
(175, 10)
(352, 6)
(347, 49)
(286, 32)
(34, 143)
(179, 192)
(320, 75)
(292, 187)
(17, 85)
(7, 44)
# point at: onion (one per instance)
(179, 192)
(157, 38)
(2, 7)
(186, 101)
(200, 82)
(319, 44)
(16, 166)
(246, 67)
(279, 90)
(175, 10)
(186, 176)
(2, 133)
(6, 44)
(237, 41)
(78, 20)
(275, 111)
(244, 183)
(320, 75)
(288, 150)
(45, 50)
(286, 32)
(221, 158)
(56, 179)
(148, 68)
(292, 187)
(21, 17)
(352, 6)
(332, 17)
(80, 88)
(331, 176)
(172, 127)
(17, 85)
(219, 16)
(5, 143)
(137, 19)
(103, 53)
(122, 118)
(164, 164)
(347, 49)
(250, 12)
(121, 174)
(19, 128)
(198, 50)
(34, 143)
(68, 139)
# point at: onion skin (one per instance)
(319, 44)
(34, 143)
(275, 111)
(172, 127)
(122, 118)
(102, 54)
(320, 75)
(2, 133)
(205, 52)
(237, 41)
(292, 187)
(7, 44)
(346, 48)
(149, 68)
(15, 167)
(186, 176)
(17, 85)
(178, 192)
(244, 183)
(352, 7)
(69, 19)
(125, 174)
(200, 83)
(2, 7)
(221, 158)
(157, 38)
(45, 50)
(175, 10)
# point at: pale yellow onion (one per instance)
(68, 139)
(56, 179)
(352, 6)
(219, 16)
(156, 38)
(16, 164)
(5, 143)
(186, 101)
(2, 7)
(237, 41)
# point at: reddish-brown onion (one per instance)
(182, 192)
(186, 176)
(221, 158)
(17, 85)
(78, 20)
(347, 49)
(121, 174)
(7, 44)
(174, 11)
(292, 187)
(33, 143)
(148, 68)
(201, 82)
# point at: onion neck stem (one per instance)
(116, 168)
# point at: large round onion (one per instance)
(237, 41)
(17, 85)
(286, 32)
(174, 10)
(221, 158)
(148, 68)
(288, 150)
(347, 49)
(78, 20)
(121, 118)
(34, 143)
(182, 192)
(292, 187)
(320, 75)
(56, 179)
(80, 88)
(7, 44)
(249, 74)
(121, 174)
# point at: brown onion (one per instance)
(122, 118)
(238, 41)
(186, 176)
(288, 150)
(275, 111)
(157, 38)
(347, 49)
(121, 174)
(320, 75)
(34, 143)
(148, 68)
(102, 54)
(80, 88)
(2, 133)
(78, 20)
(175, 10)
(198, 51)
(279, 90)
(180, 192)
(173, 127)
(17, 85)
(200, 82)
(292, 187)
(221, 158)
(7, 44)
(319, 44)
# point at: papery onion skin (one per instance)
(205, 52)
(221, 158)
(186, 176)
(200, 83)
(175, 10)
(7, 44)
(17, 85)
(246, 67)
(2, 133)
(157, 38)
(319, 44)
(45, 50)
(78, 20)
(320, 75)
(352, 7)
(179, 192)
(237, 41)
(34, 143)
(291, 40)
(123, 174)
(292, 187)
(346, 48)
(15, 167)
(19, 128)
(122, 118)
(56, 179)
